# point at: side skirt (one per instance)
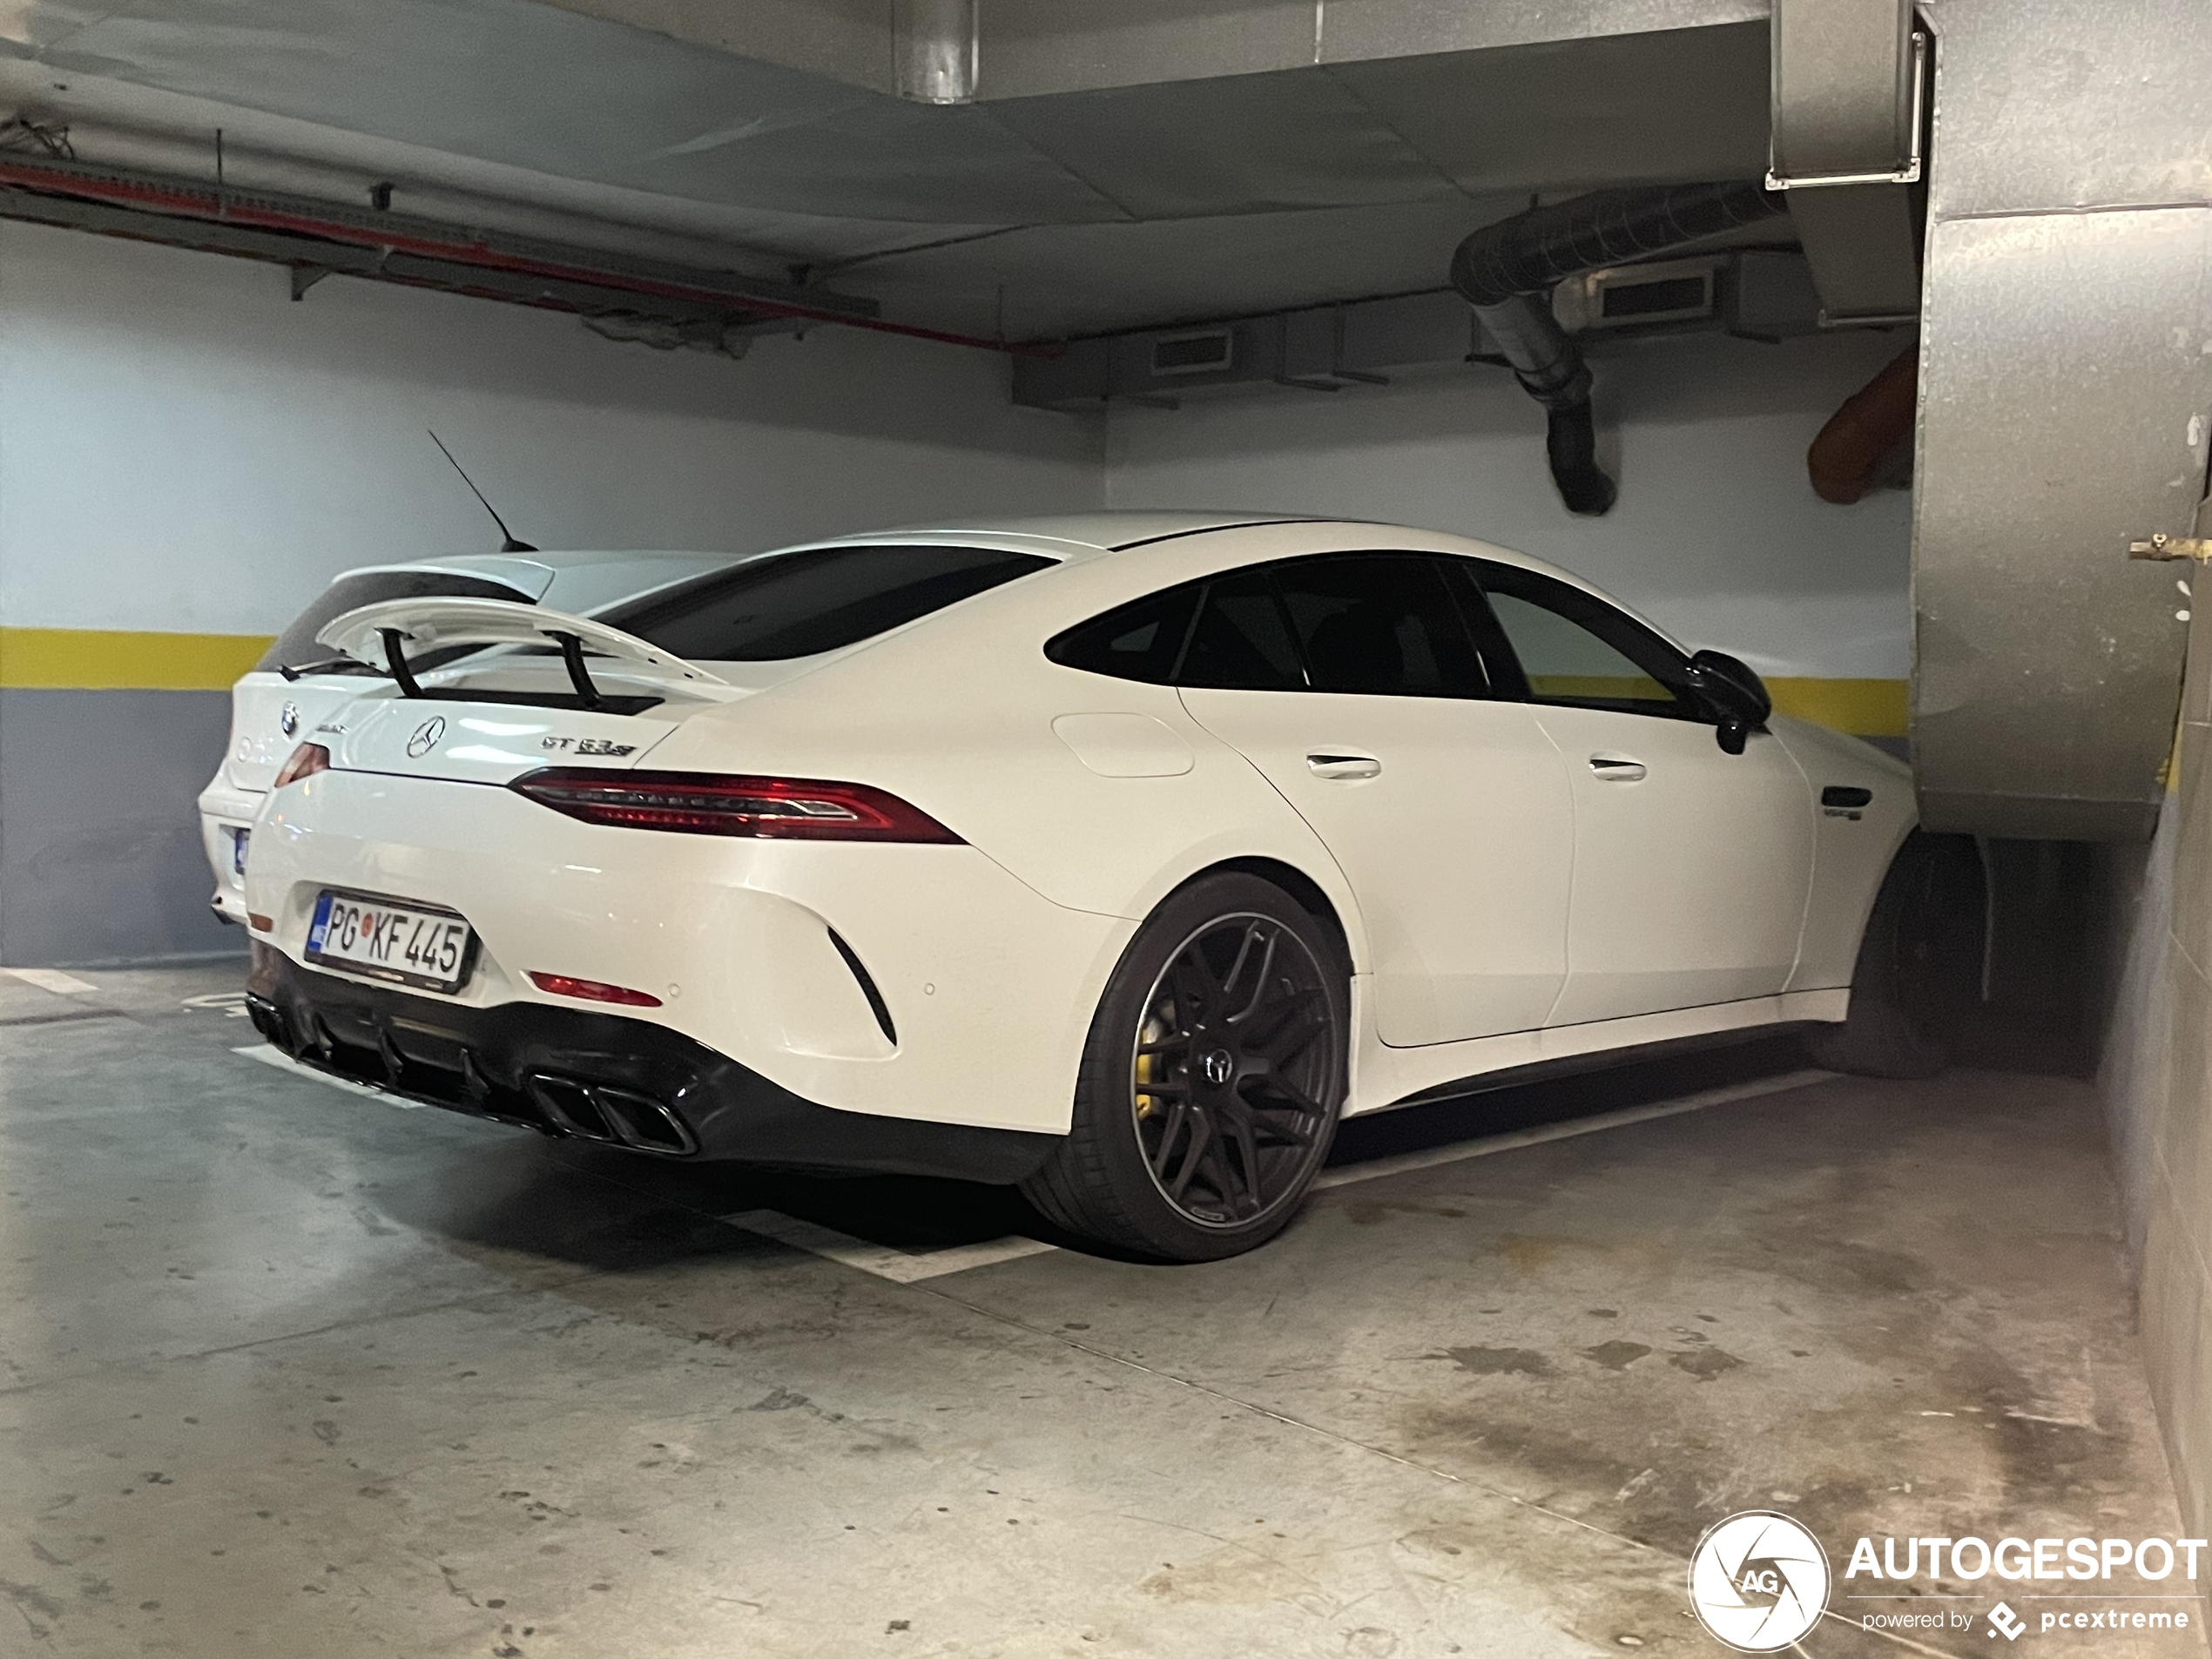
(1384, 1077)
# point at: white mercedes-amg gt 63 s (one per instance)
(298, 682)
(1115, 856)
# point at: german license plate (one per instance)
(390, 940)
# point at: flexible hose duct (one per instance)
(1845, 458)
(1507, 271)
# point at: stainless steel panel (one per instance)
(1665, 108)
(849, 40)
(1252, 144)
(1037, 47)
(2040, 106)
(1030, 48)
(934, 49)
(2065, 380)
(1861, 243)
(1842, 86)
(1351, 31)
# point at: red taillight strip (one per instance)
(592, 990)
(704, 803)
(306, 760)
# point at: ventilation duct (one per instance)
(1507, 271)
(1862, 439)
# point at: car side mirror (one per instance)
(1733, 696)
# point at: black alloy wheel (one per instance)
(1230, 1069)
(1212, 1080)
(1918, 976)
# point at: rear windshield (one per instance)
(296, 648)
(799, 604)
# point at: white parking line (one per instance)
(283, 1061)
(1374, 1169)
(885, 1261)
(52, 978)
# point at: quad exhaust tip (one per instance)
(602, 1112)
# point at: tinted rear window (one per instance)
(1139, 641)
(1379, 625)
(295, 646)
(1243, 640)
(799, 604)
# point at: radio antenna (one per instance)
(510, 545)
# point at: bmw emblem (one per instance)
(289, 719)
(426, 737)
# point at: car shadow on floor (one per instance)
(614, 1211)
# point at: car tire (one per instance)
(1918, 964)
(1212, 1080)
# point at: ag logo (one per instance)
(289, 719)
(426, 737)
(1759, 1581)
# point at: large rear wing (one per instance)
(381, 636)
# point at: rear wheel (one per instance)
(1212, 1080)
(1918, 967)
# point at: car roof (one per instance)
(1079, 538)
(1093, 532)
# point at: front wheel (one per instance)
(1210, 1081)
(1918, 967)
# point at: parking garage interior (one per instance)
(292, 1364)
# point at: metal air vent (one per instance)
(1634, 296)
(1194, 353)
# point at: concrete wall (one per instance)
(187, 457)
(2156, 1081)
(1717, 536)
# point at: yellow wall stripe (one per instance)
(1864, 708)
(97, 659)
(101, 660)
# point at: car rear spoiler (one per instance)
(381, 634)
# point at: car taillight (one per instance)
(306, 760)
(592, 990)
(704, 803)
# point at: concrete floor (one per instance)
(290, 1372)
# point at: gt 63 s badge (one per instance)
(589, 745)
(1759, 1581)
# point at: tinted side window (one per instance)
(295, 647)
(1577, 651)
(1379, 624)
(1242, 642)
(1138, 641)
(799, 604)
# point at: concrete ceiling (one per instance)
(1151, 159)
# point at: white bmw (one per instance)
(1115, 856)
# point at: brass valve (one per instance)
(2163, 546)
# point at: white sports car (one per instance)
(1115, 856)
(298, 682)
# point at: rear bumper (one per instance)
(224, 812)
(601, 1077)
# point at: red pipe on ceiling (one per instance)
(202, 202)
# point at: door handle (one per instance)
(1618, 769)
(1340, 767)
